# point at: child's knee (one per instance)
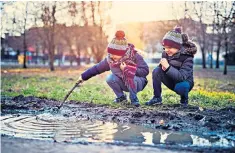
(182, 88)
(156, 72)
(110, 79)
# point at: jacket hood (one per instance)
(188, 47)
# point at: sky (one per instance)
(124, 11)
(129, 11)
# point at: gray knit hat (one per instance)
(173, 38)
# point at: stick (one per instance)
(65, 98)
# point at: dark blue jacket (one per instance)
(181, 66)
(142, 68)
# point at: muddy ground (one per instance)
(167, 117)
(18, 145)
(205, 122)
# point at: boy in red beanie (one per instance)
(129, 70)
(176, 67)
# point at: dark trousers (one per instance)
(159, 76)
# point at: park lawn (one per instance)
(207, 92)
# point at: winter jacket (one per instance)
(181, 64)
(142, 69)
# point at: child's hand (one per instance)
(80, 79)
(122, 66)
(164, 64)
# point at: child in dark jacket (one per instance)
(176, 67)
(129, 70)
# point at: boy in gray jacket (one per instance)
(176, 67)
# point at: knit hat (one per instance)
(118, 45)
(173, 38)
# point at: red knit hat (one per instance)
(118, 46)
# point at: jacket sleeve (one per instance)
(99, 68)
(164, 55)
(183, 73)
(142, 67)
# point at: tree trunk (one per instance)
(71, 60)
(25, 50)
(211, 61)
(226, 55)
(217, 56)
(225, 64)
(99, 57)
(71, 56)
(203, 58)
(52, 43)
(78, 59)
(25, 45)
(37, 50)
(51, 64)
(203, 48)
(51, 57)
(59, 60)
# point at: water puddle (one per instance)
(59, 128)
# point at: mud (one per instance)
(211, 125)
(18, 145)
(173, 117)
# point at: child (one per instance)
(129, 70)
(176, 67)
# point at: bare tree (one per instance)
(200, 9)
(99, 38)
(84, 14)
(227, 18)
(24, 35)
(75, 36)
(39, 38)
(213, 35)
(19, 23)
(217, 25)
(49, 22)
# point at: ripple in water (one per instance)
(72, 129)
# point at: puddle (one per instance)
(33, 119)
(59, 128)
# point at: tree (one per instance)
(49, 22)
(19, 23)
(218, 27)
(75, 37)
(24, 35)
(200, 10)
(99, 20)
(227, 22)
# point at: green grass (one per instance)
(206, 92)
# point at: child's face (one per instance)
(115, 57)
(170, 51)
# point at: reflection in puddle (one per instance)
(163, 136)
(148, 138)
(72, 129)
(197, 141)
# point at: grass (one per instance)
(207, 92)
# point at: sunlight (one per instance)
(123, 11)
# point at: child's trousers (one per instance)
(119, 86)
(181, 88)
